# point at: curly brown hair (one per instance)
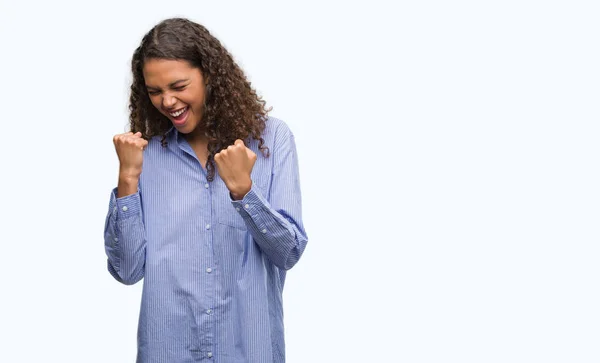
(232, 108)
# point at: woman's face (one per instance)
(177, 90)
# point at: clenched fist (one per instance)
(234, 166)
(130, 148)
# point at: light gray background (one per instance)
(449, 169)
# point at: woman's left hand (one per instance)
(234, 166)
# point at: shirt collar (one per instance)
(173, 138)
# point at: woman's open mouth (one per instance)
(179, 117)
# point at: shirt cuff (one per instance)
(251, 202)
(127, 206)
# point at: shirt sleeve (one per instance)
(276, 225)
(125, 238)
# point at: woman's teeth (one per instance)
(178, 113)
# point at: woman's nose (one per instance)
(169, 101)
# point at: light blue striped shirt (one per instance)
(213, 268)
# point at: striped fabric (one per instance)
(213, 269)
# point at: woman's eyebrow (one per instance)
(170, 85)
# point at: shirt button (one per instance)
(209, 354)
(116, 239)
(264, 231)
(206, 185)
(237, 209)
(125, 208)
(209, 270)
(209, 311)
(208, 226)
(247, 206)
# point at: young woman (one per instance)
(207, 209)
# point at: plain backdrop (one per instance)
(449, 168)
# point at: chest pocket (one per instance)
(225, 210)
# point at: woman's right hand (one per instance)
(130, 150)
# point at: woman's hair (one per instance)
(232, 109)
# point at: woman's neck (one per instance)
(196, 137)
